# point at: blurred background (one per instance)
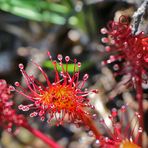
(30, 28)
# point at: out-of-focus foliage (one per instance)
(85, 65)
(37, 10)
(64, 12)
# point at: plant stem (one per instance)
(139, 97)
(50, 142)
(90, 123)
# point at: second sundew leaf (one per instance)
(84, 66)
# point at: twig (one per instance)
(138, 16)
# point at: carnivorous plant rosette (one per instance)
(63, 98)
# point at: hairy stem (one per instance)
(50, 142)
(139, 97)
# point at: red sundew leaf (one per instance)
(132, 49)
(8, 116)
(64, 97)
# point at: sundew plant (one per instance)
(57, 95)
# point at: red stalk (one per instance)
(50, 142)
(90, 123)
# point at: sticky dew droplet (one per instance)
(114, 112)
(67, 58)
(123, 108)
(140, 130)
(139, 55)
(21, 66)
(85, 77)
(20, 107)
(90, 133)
(107, 48)
(102, 121)
(33, 114)
(41, 113)
(94, 116)
(49, 55)
(37, 103)
(25, 108)
(97, 143)
(104, 31)
(95, 91)
(60, 57)
(42, 118)
(17, 84)
(146, 58)
(11, 88)
(105, 40)
(79, 64)
(116, 67)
